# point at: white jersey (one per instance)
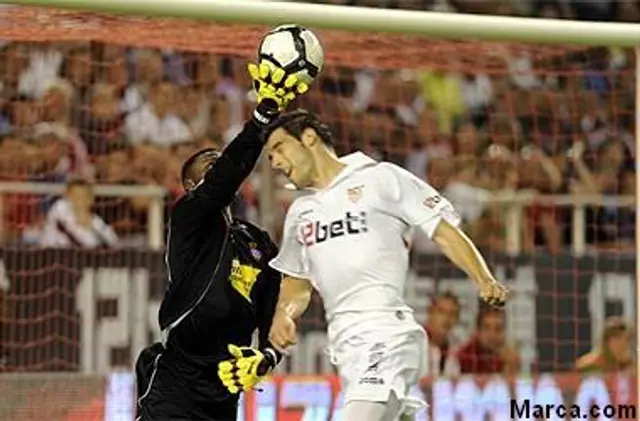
(62, 230)
(350, 241)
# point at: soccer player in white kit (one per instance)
(348, 240)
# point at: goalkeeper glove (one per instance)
(246, 369)
(273, 86)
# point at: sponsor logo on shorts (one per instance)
(375, 381)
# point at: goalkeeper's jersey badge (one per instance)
(255, 252)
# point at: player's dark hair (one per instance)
(295, 122)
(485, 311)
(187, 171)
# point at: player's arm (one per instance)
(295, 296)
(266, 307)
(274, 90)
(420, 205)
(223, 179)
(455, 244)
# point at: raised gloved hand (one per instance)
(246, 369)
(274, 88)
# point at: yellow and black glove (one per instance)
(274, 88)
(246, 369)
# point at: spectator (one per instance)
(466, 139)
(44, 66)
(477, 95)
(148, 73)
(615, 352)
(13, 62)
(24, 114)
(71, 222)
(127, 215)
(538, 172)
(466, 193)
(233, 97)
(487, 351)
(195, 110)
(63, 152)
(101, 122)
(156, 121)
(442, 316)
(444, 93)
(78, 69)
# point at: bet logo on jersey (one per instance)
(315, 232)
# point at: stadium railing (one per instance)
(155, 210)
(514, 205)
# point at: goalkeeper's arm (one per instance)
(222, 181)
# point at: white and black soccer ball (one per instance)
(295, 49)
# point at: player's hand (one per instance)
(283, 331)
(246, 369)
(273, 86)
(494, 293)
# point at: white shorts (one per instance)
(371, 366)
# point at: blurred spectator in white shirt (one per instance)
(71, 222)
(195, 110)
(56, 119)
(463, 190)
(44, 66)
(228, 90)
(148, 72)
(63, 152)
(477, 94)
(156, 121)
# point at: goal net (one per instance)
(534, 144)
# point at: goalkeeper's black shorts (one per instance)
(169, 389)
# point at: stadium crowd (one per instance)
(112, 114)
(487, 350)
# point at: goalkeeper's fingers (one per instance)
(253, 70)
(235, 351)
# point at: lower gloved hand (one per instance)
(246, 369)
(274, 89)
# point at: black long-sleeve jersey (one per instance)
(220, 291)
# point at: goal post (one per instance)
(441, 25)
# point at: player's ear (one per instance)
(309, 137)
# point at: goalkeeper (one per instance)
(221, 288)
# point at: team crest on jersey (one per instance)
(255, 252)
(355, 193)
(243, 277)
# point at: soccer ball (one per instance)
(295, 49)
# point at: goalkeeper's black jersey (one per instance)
(221, 290)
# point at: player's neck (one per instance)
(327, 169)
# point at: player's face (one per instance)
(291, 157)
(491, 331)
